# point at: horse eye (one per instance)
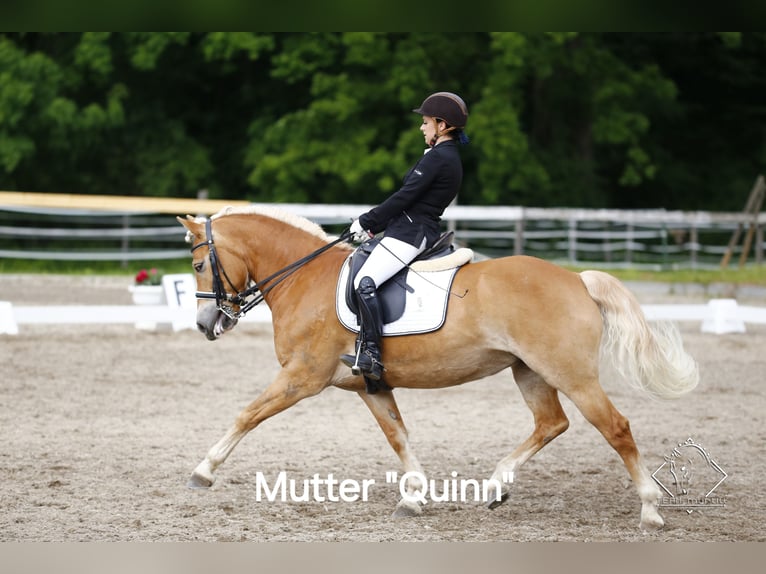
(198, 266)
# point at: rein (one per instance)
(257, 292)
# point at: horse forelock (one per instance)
(275, 213)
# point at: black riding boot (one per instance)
(367, 359)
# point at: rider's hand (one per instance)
(358, 233)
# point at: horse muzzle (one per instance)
(212, 322)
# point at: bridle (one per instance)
(257, 291)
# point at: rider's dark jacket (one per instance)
(414, 211)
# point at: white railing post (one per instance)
(572, 240)
(693, 245)
(125, 243)
(518, 240)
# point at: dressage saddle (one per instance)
(392, 294)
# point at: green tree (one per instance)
(577, 119)
(50, 114)
(352, 136)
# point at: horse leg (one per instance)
(601, 413)
(385, 410)
(281, 394)
(550, 422)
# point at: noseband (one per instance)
(256, 293)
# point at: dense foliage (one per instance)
(591, 119)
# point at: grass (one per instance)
(93, 267)
(751, 275)
(755, 275)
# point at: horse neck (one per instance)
(268, 245)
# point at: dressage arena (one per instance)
(102, 426)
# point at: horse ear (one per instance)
(192, 227)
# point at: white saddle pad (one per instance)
(425, 308)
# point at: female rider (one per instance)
(410, 219)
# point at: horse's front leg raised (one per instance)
(383, 406)
(286, 390)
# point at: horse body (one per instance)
(542, 321)
(484, 333)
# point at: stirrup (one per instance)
(363, 364)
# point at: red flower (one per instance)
(151, 277)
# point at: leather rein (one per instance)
(256, 293)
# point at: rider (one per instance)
(410, 218)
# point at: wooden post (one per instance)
(758, 202)
(752, 208)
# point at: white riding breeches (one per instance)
(386, 259)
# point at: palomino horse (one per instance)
(544, 322)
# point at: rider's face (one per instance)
(428, 128)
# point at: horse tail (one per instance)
(651, 357)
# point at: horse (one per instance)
(550, 326)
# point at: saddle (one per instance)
(393, 293)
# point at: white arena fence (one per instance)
(718, 316)
(145, 229)
(101, 228)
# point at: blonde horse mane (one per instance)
(276, 213)
(273, 212)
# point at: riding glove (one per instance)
(358, 233)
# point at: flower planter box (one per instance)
(147, 295)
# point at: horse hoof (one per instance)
(407, 511)
(650, 518)
(653, 524)
(492, 504)
(199, 482)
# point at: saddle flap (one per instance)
(425, 301)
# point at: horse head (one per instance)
(221, 276)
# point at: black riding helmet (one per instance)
(445, 106)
